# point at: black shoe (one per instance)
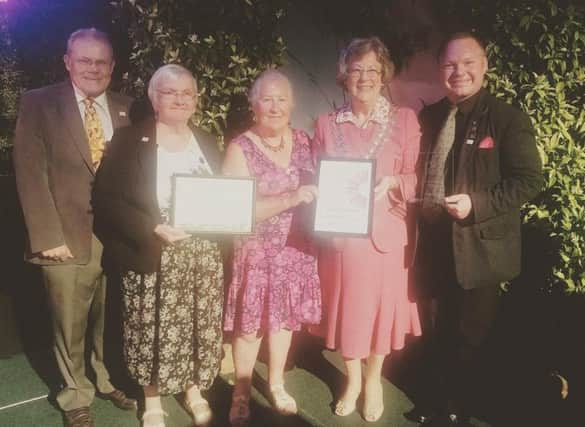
(459, 420)
(78, 417)
(419, 415)
(447, 420)
(120, 400)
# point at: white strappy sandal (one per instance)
(200, 411)
(282, 402)
(154, 417)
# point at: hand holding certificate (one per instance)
(215, 205)
(345, 198)
(170, 235)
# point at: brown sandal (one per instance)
(240, 410)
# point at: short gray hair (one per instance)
(168, 71)
(89, 34)
(270, 74)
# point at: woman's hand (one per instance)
(60, 253)
(386, 184)
(170, 234)
(304, 194)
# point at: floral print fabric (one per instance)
(172, 319)
(274, 286)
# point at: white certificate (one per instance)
(203, 204)
(345, 201)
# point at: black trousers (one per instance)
(459, 329)
(456, 323)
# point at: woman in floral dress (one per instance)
(275, 286)
(172, 282)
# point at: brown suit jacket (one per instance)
(54, 174)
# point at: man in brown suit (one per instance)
(60, 133)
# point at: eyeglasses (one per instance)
(173, 94)
(371, 73)
(88, 63)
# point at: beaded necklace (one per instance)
(273, 148)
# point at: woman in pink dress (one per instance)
(275, 287)
(366, 309)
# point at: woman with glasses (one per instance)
(172, 282)
(366, 309)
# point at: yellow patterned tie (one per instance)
(95, 132)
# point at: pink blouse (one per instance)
(337, 135)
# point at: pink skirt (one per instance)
(366, 308)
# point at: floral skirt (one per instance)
(172, 319)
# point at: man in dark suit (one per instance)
(479, 166)
(60, 136)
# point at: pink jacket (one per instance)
(397, 156)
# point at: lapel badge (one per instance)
(145, 139)
(122, 113)
(472, 134)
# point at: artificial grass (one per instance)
(315, 382)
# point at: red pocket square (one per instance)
(487, 142)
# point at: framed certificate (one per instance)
(346, 198)
(213, 204)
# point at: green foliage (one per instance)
(225, 43)
(9, 92)
(536, 54)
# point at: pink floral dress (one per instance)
(274, 286)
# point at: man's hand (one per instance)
(458, 205)
(170, 234)
(60, 253)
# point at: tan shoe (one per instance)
(344, 408)
(346, 404)
(373, 407)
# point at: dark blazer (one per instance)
(499, 178)
(54, 172)
(124, 197)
